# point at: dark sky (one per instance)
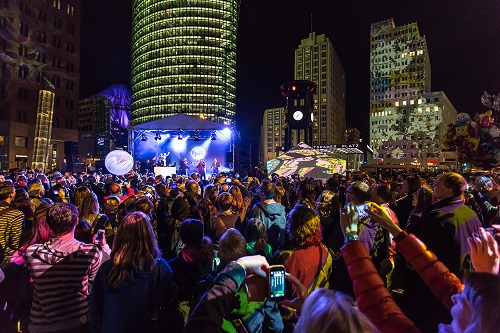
(463, 39)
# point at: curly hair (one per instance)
(303, 226)
(62, 218)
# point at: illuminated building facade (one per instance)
(317, 61)
(39, 39)
(400, 73)
(184, 59)
(412, 131)
(103, 121)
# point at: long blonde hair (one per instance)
(328, 311)
(134, 248)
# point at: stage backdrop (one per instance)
(171, 149)
(306, 162)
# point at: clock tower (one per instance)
(299, 110)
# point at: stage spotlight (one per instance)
(157, 136)
(196, 136)
(226, 132)
(179, 134)
(144, 137)
(213, 136)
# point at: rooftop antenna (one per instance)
(311, 23)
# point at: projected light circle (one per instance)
(198, 153)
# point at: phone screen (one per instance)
(276, 283)
(98, 239)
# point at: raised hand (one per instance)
(257, 265)
(302, 294)
(380, 215)
(484, 252)
(349, 217)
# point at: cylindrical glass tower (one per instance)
(184, 59)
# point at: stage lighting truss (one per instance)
(197, 136)
(213, 136)
(179, 134)
(157, 136)
(144, 137)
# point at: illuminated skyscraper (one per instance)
(184, 59)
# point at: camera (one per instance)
(277, 283)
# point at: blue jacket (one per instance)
(126, 308)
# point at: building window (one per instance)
(70, 66)
(56, 62)
(23, 72)
(41, 57)
(56, 42)
(71, 28)
(56, 4)
(22, 116)
(23, 29)
(42, 36)
(42, 16)
(23, 50)
(57, 22)
(70, 47)
(69, 104)
(20, 141)
(56, 81)
(70, 10)
(69, 85)
(22, 94)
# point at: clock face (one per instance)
(312, 117)
(297, 115)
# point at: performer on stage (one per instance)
(183, 166)
(215, 166)
(201, 169)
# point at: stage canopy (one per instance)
(306, 162)
(181, 121)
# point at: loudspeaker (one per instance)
(70, 148)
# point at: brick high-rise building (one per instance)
(39, 42)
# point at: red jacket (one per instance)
(374, 300)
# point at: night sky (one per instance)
(463, 39)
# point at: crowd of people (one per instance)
(412, 252)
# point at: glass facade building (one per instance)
(184, 59)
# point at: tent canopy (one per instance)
(181, 121)
(306, 162)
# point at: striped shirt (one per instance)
(61, 270)
(11, 226)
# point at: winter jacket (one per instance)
(225, 301)
(374, 300)
(274, 217)
(126, 308)
(311, 265)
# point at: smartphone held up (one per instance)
(277, 283)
